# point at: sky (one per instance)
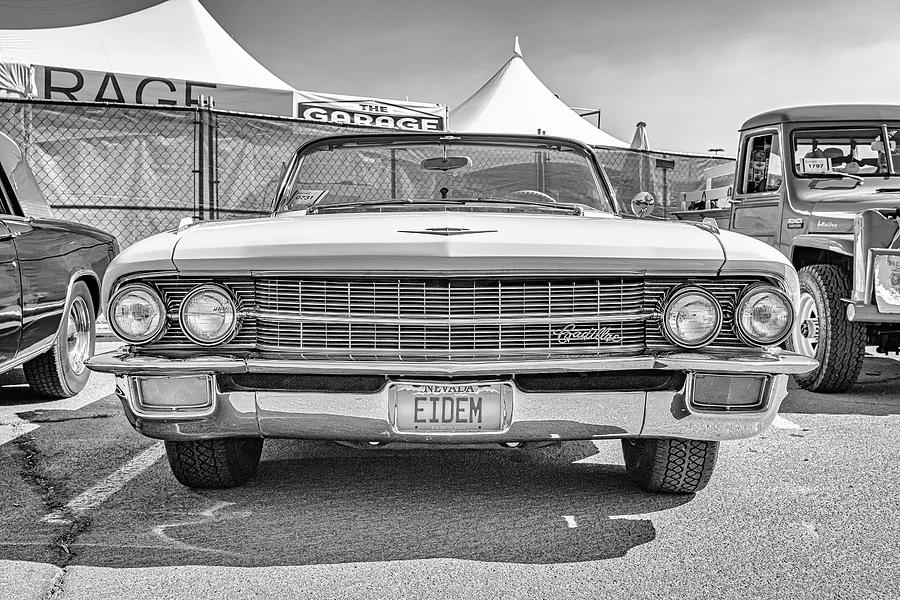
(692, 70)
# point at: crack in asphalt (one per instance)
(207, 516)
(52, 494)
(67, 419)
(55, 591)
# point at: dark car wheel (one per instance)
(823, 331)
(60, 372)
(668, 465)
(218, 463)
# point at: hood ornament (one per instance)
(447, 231)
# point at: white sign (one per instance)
(78, 85)
(373, 113)
(815, 165)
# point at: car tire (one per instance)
(214, 464)
(823, 331)
(60, 372)
(670, 465)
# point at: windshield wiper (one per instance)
(316, 208)
(551, 205)
(838, 175)
(888, 189)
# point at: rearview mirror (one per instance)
(642, 204)
(445, 163)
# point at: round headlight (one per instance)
(764, 316)
(208, 315)
(692, 318)
(137, 314)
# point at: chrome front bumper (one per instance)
(534, 416)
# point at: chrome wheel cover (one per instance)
(78, 335)
(806, 331)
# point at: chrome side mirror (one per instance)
(642, 204)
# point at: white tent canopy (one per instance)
(514, 100)
(171, 54)
(176, 39)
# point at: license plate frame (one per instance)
(409, 417)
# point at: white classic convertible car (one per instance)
(450, 289)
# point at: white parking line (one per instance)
(12, 426)
(97, 495)
(570, 521)
(782, 423)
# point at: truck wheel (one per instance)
(60, 372)
(823, 331)
(218, 463)
(668, 465)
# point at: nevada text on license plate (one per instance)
(441, 408)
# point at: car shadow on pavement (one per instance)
(317, 503)
(873, 394)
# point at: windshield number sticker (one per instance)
(302, 197)
(815, 165)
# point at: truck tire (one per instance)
(669, 465)
(60, 372)
(215, 464)
(823, 331)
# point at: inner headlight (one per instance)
(208, 315)
(692, 318)
(137, 313)
(764, 316)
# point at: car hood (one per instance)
(451, 241)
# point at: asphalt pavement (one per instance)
(808, 509)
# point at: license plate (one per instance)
(440, 408)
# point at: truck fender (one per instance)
(830, 243)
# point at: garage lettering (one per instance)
(347, 117)
(94, 86)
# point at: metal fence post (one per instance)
(199, 162)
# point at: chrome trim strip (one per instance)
(743, 362)
(26, 355)
(524, 353)
(280, 317)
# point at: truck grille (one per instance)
(450, 318)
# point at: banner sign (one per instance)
(79, 85)
(373, 113)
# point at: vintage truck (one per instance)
(822, 185)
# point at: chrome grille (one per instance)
(449, 318)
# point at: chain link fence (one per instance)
(127, 170)
(665, 175)
(137, 170)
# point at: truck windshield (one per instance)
(852, 150)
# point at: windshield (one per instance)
(436, 172)
(852, 150)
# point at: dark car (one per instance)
(50, 274)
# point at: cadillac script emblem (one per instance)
(572, 333)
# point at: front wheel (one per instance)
(669, 465)
(60, 372)
(217, 463)
(823, 331)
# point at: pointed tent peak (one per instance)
(640, 141)
(517, 50)
(514, 100)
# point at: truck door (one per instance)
(10, 291)
(756, 206)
